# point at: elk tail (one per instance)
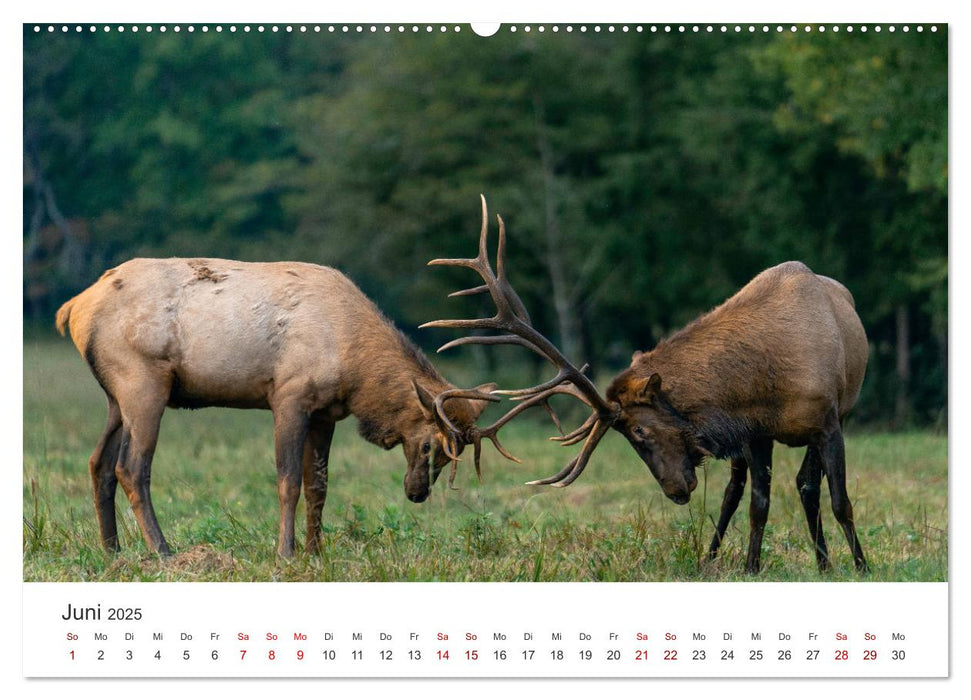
(64, 316)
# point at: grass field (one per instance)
(214, 491)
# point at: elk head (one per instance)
(636, 409)
(660, 435)
(440, 435)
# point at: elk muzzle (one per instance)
(417, 483)
(678, 486)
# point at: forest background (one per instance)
(643, 177)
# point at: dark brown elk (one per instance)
(782, 360)
(299, 339)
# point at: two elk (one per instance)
(782, 360)
(298, 339)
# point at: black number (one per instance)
(728, 654)
(785, 655)
(755, 655)
(698, 655)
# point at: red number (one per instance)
(842, 655)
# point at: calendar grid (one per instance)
(571, 630)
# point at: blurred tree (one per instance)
(883, 99)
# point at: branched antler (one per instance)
(513, 321)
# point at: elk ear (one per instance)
(426, 400)
(645, 391)
(636, 356)
(479, 406)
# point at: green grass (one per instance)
(214, 491)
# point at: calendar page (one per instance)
(517, 350)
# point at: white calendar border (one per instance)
(507, 10)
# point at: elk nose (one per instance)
(417, 497)
(680, 498)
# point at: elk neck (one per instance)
(714, 381)
(380, 393)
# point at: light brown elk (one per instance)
(782, 360)
(299, 339)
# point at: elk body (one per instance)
(298, 339)
(782, 360)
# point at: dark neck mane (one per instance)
(693, 363)
(381, 393)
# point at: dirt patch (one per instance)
(205, 273)
(201, 559)
(201, 562)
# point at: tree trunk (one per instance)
(567, 323)
(70, 266)
(902, 407)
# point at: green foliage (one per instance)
(885, 99)
(643, 178)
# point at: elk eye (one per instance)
(639, 431)
(426, 448)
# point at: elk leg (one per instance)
(834, 461)
(102, 468)
(807, 482)
(289, 433)
(759, 457)
(316, 453)
(733, 494)
(141, 413)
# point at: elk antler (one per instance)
(513, 320)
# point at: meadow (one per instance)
(214, 491)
